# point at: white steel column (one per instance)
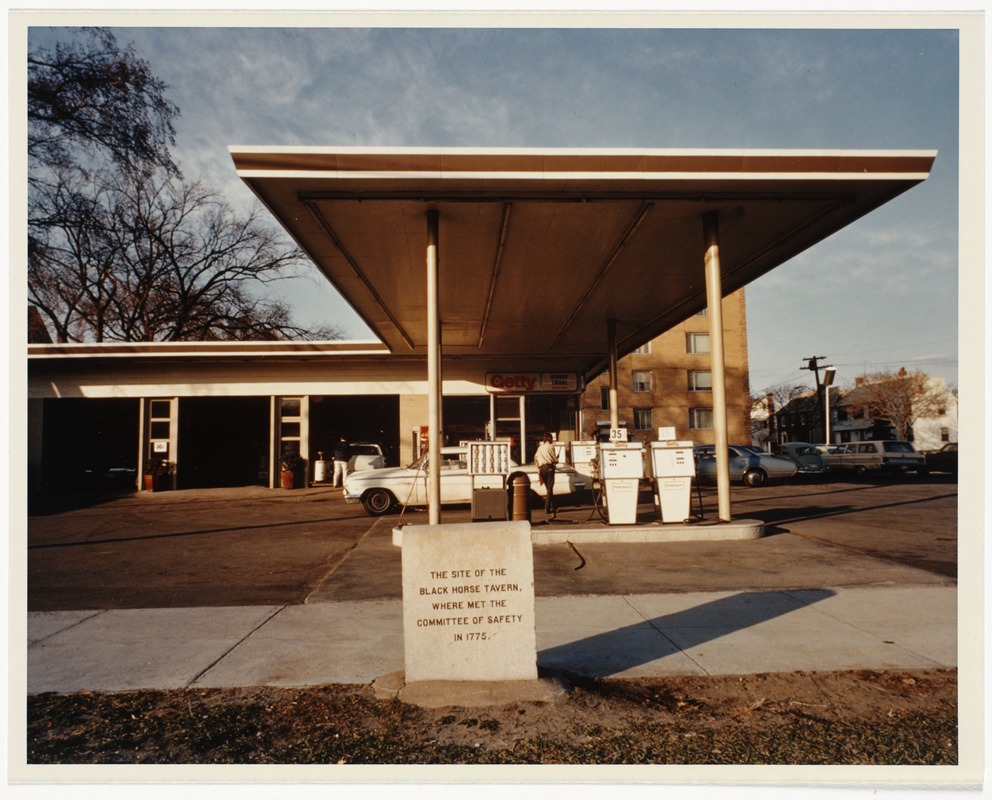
(305, 438)
(611, 345)
(522, 413)
(142, 441)
(274, 451)
(433, 373)
(714, 305)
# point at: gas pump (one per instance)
(674, 468)
(583, 456)
(491, 462)
(622, 467)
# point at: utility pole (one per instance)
(813, 365)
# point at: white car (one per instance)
(382, 490)
(365, 455)
(874, 456)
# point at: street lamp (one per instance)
(828, 379)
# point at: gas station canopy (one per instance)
(538, 249)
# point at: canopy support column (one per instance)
(433, 373)
(522, 413)
(611, 345)
(714, 308)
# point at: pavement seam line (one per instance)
(334, 567)
(76, 624)
(661, 633)
(235, 646)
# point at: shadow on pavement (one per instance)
(201, 532)
(782, 516)
(616, 651)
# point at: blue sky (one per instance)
(879, 295)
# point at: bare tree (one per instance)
(784, 393)
(794, 408)
(120, 247)
(142, 256)
(898, 399)
(92, 94)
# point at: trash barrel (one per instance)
(520, 489)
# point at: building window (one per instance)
(700, 380)
(641, 381)
(643, 350)
(291, 406)
(642, 419)
(945, 434)
(291, 425)
(604, 398)
(160, 429)
(700, 418)
(697, 342)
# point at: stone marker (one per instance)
(468, 602)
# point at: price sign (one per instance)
(618, 434)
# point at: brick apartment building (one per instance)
(667, 383)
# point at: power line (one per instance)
(897, 347)
(941, 359)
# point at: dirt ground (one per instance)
(860, 717)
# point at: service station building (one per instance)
(498, 282)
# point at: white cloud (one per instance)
(601, 87)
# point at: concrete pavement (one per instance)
(791, 601)
(615, 636)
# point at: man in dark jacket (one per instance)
(341, 455)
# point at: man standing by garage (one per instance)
(546, 459)
(341, 455)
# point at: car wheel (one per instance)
(860, 471)
(754, 477)
(378, 502)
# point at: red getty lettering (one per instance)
(524, 382)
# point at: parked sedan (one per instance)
(807, 457)
(381, 490)
(746, 465)
(943, 460)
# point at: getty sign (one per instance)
(531, 382)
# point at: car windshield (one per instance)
(898, 447)
(806, 450)
(364, 450)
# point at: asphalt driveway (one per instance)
(256, 546)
